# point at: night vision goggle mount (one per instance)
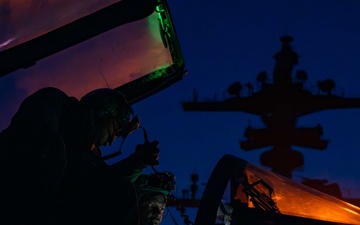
(161, 182)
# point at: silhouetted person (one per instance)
(235, 89)
(326, 86)
(51, 168)
(152, 192)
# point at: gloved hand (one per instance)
(148, 153)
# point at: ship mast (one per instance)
(279, 103)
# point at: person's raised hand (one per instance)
(148, 153)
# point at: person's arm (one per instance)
(131, 167)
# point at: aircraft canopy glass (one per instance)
(239, 192)
(23, 20)
(137, 53)
(295, 199)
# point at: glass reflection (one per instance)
(22, 20)
(268, 191)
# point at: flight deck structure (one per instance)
(280, 102)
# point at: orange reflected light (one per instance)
(299, 200)
(351, 211)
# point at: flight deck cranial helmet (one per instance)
(153, 191)
(161, 183)
(110, 103)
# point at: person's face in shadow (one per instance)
(108, 129)
(152, 209)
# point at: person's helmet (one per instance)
(106, 102)
(150, 185)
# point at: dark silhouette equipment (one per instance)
(280, 103)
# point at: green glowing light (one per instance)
(153, 24)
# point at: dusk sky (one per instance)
(233, 40)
